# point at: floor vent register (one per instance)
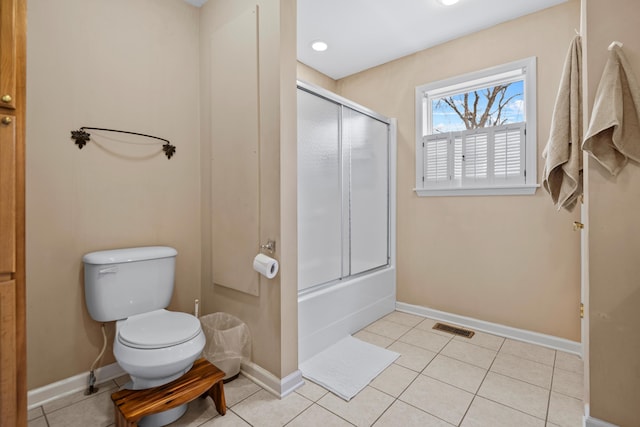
(453, 330)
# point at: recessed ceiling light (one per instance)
(319, 46)
(448, 2)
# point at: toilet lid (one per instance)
(158, 329)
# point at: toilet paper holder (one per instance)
(269, 246)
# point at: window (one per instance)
(476, 133)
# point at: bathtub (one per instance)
(331, 313)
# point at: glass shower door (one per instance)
(319, 191)
(366, 148)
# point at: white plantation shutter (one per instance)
(436, 160)
(457, 159)
(509, 153)
(477, 157)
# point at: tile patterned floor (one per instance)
(439, 380)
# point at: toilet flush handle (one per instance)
(108, 270)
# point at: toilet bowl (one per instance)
(154, 346)
(158, 347)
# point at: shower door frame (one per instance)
(330, 311)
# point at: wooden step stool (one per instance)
(203, 379)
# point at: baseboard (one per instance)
(550, 341)
(268, 381)
(594, 422)
(40, 396)
(276, 386)
(589, 421)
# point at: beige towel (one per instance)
(562, 173)
(614, 131)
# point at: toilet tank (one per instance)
(122, 282)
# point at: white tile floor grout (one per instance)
(439, 380)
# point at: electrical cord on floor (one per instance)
(92, 377)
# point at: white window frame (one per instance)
(524, 69)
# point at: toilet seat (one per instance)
(158, 329)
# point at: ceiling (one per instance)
(364, 33)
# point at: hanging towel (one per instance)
(562, 173)
(613, 136)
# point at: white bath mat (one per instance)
(348, 366)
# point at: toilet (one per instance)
(133, 287)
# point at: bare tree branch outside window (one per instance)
(481, 108)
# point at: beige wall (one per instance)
(614, 237)
(310, 75)
(288, 189)
(272, 315)
(512, 260)
(116, 64)
(136, 66)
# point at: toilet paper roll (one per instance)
(265, 265)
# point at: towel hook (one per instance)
(614, 44)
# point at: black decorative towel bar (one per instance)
(81, 137)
